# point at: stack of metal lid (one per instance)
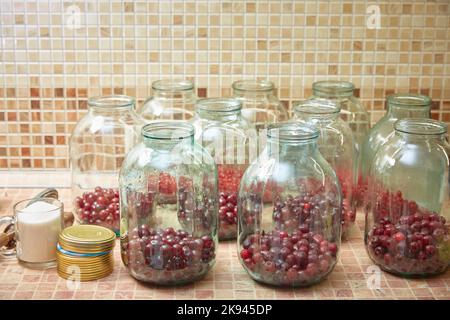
(85, 252)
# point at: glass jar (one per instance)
(337, 145)
(399, 106)
(289, 210)
(226, 135)
(171, 100)
(407, 205)
(98, 146)
(168, 201)
(259, 105)
(352, 110)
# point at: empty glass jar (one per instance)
(98, 146)
(337, 145)
(171, 100)
(352, 111)
(399, 106)
(259, 105)
(407, 203)
(168, 202)
(289, 208)
(226, 135)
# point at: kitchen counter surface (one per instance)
(227, 280)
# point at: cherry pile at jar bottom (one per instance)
(99, 207)
(408, 239)
(229, 177)
(300, 258)
(167, 256)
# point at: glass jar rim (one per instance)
(253, 85)
(292, 131)
(222, 105)
(173, 85)
(333, 86)
(426, 127)
(317, 107)
(168, 130)
(408, 100)
(111, 102)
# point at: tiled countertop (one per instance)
(227, 280)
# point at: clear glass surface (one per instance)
(407, 203)
(172, 100)
(337, 145)
(168, 200)
(98, 146)
(289, 208)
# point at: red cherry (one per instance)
(399, 237)
(245, 254)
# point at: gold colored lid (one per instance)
(86, 248)
(87, 234)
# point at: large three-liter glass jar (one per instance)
(289, 210)
(98, 146)
(407, 204)
(399, 106)
(259, 105)
(172, 100)
(337, 145)
(352, 110)
(168, 202)
(227, 136)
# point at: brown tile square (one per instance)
(59, 92)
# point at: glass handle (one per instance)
(7, 237)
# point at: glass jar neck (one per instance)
(173, 89)
(286, 149)
(218, 115)
(174, 95)
(401, 106)
(166, 135)
(400, 112)
(254, 95)
(291, 139)
(318, 118)
(252, 89)
(333, 89)
(111, 105)
(413, 129)
(168, 145)
(438, 138)
(111, 110)
(218, 109)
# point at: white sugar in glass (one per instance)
(38, 225)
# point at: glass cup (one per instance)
(37, 224)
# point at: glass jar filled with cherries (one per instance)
(337, 145)
(226, 135)
(259, 104)
(289, 208)
(98, 146)
(168, 201)
(407, 204)
(173, 99)
(399, 106)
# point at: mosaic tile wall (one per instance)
(54, 54)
